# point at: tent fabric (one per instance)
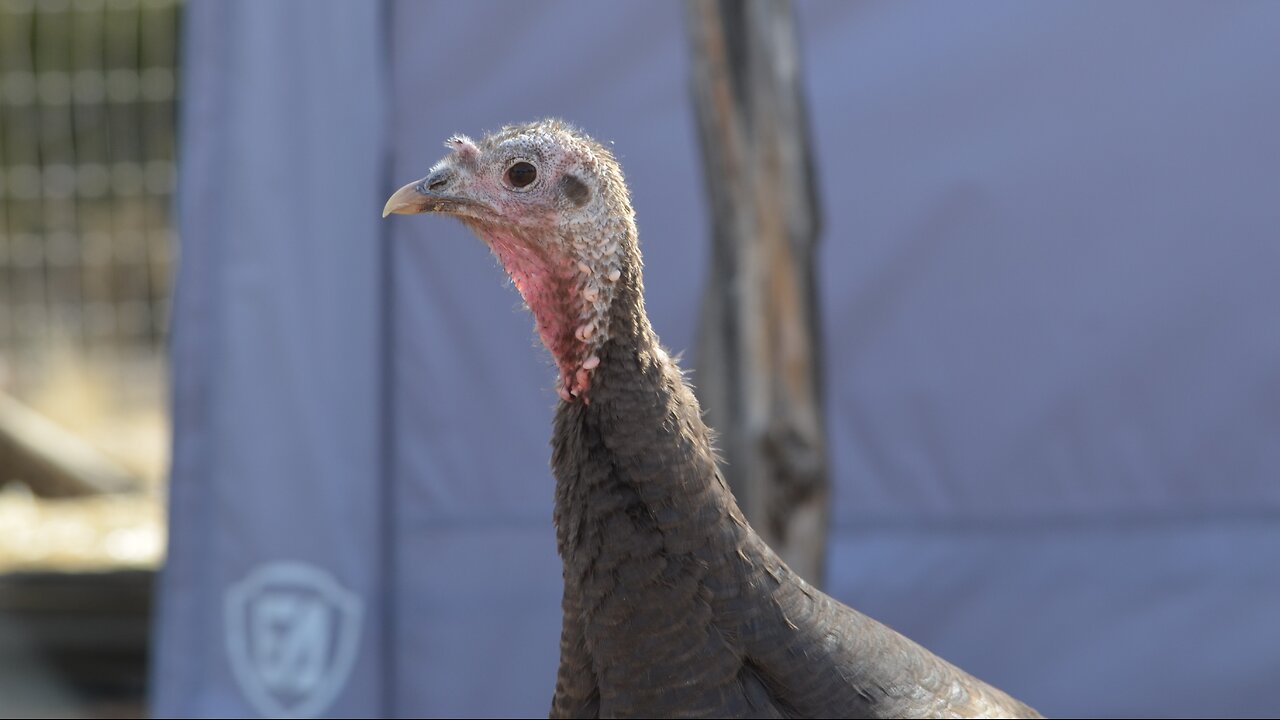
(1047, 290)
(277, 356)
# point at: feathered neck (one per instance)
(641, 436)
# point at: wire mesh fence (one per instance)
(87, 123)
(87, 116)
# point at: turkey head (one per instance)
(552, 205)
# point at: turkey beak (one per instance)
(423, 196)
(408, 200)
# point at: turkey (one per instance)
(673, 606)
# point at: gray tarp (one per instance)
(1050, 274)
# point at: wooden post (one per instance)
(758, 364)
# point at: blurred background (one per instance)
(88, 96)
(1045, 281)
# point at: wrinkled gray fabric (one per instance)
(277, 359)
(1048, 289)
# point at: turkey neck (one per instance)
(643, 519)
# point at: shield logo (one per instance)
(292, 633)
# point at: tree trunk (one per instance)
(759, 369)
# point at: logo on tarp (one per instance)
(292, 633)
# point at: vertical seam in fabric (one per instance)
(386, 366)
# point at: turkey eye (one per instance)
(521, 174)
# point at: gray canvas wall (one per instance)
(1048, 287)
(277, 483)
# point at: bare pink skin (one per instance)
(549, 286)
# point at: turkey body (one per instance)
(673, 606)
